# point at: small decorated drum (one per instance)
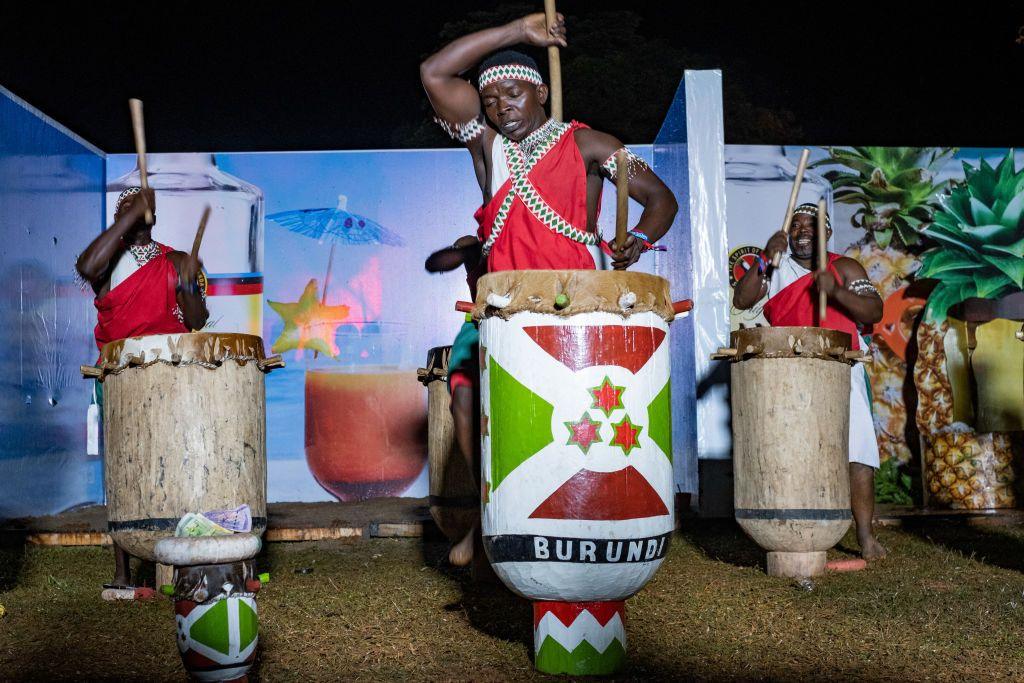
(576, 451)
(214, 591)
(185, 431)
(790, 422)
(454, 501)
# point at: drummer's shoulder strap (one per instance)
(519, 166)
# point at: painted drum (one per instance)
(217, 622)
(576, 450)
(790, 421)
(185, 431)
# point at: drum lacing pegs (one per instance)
(835, 351)
(627, 301)
(724, 353)
(682, 308)
(857, 356)
(561, 301)
(427, 376)
(268, 364)
(139, 359)
(497, 300)
(91, 371)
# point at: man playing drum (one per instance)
(142, 287)
(852, 302)
(541, 179)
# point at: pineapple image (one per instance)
(895, 191)
(979, 231)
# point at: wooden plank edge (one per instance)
(69, 538)
(313, 534)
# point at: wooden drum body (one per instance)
(454, 501)
(790, 419)
(576, 429)
(185, 431)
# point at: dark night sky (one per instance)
(303, 75)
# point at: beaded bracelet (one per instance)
(647, 244)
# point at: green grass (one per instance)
(946, 605)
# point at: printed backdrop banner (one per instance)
(346, 418)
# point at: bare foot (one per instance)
(871, 549)
(461, 554)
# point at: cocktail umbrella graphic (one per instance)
(337, 225)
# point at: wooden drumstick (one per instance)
(200, 232)
(822, 258)
(801, 167)
(621, 197)
(139, 131)
(554, 65)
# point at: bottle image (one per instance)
(758, 181)
(232, 248)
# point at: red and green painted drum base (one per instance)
(217, 622)
(579, 638)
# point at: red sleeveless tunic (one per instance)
(143, 304)
(796, 305)
(527, 242)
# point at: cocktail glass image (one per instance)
(366, 415)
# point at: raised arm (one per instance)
(453, 98)
(95, 262)
(660, 206)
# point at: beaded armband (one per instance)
(462, 132)
(634, 163)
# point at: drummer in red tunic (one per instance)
(852, 302)
(541, 179)
(142, 287)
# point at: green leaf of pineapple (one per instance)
(958, 204)
(990, 284)
(989, 232)
(1013, 249)
(936, 263)
(943, 297)
(1010, 266)
(981, 213)
(883, 237)
(957, 239)
(1012, 213)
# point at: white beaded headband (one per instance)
(507, 72)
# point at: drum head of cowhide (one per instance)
(793, 342)
(210, 349)
(570, 292)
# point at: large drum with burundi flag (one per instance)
(576, 430)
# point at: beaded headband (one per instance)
(812, 211)
(124, 195)
(507, 72)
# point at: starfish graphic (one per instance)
(583, 432)
(627, 435)
(607, 397)
(308, 324)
